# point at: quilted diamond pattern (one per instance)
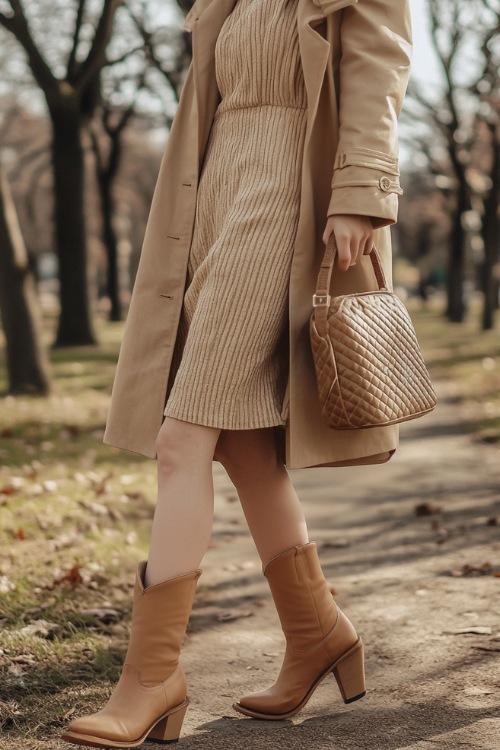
(369, 367)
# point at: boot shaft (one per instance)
(304, 602)
(160, 616)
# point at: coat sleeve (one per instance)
(374, 69)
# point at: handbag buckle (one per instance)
(321, 300)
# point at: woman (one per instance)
(285, 132)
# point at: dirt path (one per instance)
(428, 686)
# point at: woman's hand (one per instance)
(354, 235)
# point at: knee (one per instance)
(170, 448)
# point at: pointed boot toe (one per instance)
(150, 698)
(320, 640)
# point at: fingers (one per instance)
(345, 249)
(328, 230)
(349, 247)
(354, 235)
(368, 245)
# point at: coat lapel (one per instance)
(314, 52)
(205, 20)
(206, 27)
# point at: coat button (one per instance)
(385, 183)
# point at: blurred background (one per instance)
(88, 91)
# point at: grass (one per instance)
(75, 517)
(469, 357)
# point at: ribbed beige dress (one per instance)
(230, 361)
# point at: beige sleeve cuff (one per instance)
(366, 183)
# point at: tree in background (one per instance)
(71, 86)
(67, 46)
(27, 362)
(462, 31)
(141, 82)
(487, 90)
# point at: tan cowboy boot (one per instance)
(150, 698)
(319, 639)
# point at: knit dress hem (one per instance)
(236, 424)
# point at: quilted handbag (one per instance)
(369, 368)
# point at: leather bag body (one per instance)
(369, 367)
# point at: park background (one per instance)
(88, 90)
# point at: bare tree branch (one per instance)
(125, 56)
(18, 26)
(172, 77)
(71, 65)
(96, 57)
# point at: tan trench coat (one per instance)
(355, 59)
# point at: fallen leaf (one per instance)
(6, 585)
(335, 544)
(42, 628)
(127, 479)
(66, 540)
(233, 614)
(8, 709)
(104, 614)
(244, 565)
(96, 508)
(473, 629)
(20, 534)
(131, 537)
(442, 535)
(473, 570)
(492, 521)
(427, 509)
(69, 713)
(49, 485)
(73, 577)
(477, 691)
(16, 670)
(7, 490)
(23, 659)
(137, 495)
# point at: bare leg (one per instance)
(183, 517)
(269, 501)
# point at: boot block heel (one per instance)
(349, 671)
(169, 728)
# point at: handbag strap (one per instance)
(321, 299)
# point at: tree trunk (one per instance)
(456, 306)
(106, 180)
(27, 362)
(75, 323)
(490, 232)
